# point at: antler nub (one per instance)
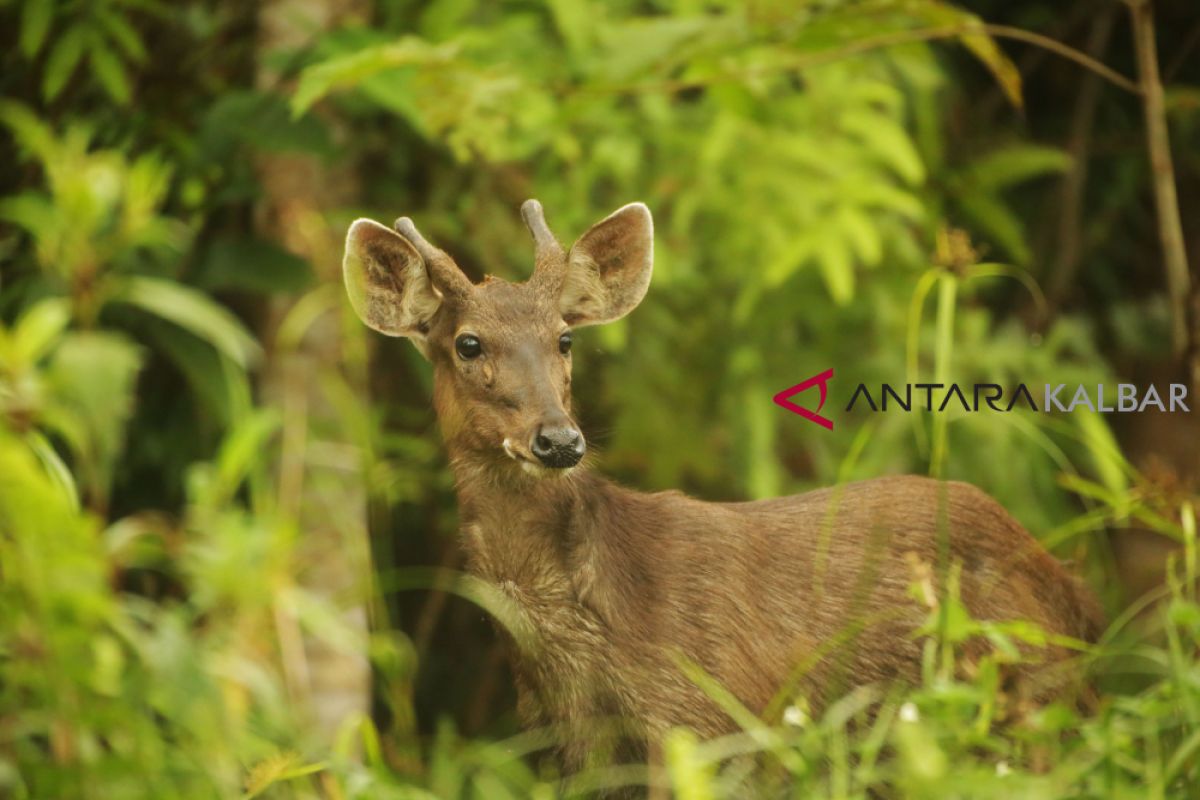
(548, 253)
(447, 277)
(405, 227)
(535, 220)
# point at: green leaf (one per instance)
(575, 21)
(1184, 755)
(1011, 165)
(63, 60)
(645, 44)
(861, 233)
(792, 256)
(60, 587)
(220, 386)
(692, 775)
(192, 310)
(980, 44)
(887, 197)
(888, 142)
(110, 72)
(347, 71)
(242, 449)
(30, 132)
(123, 34)
(33, 212)
(951, 622)
(1000, 65)
(833, 259)
(35, 22)
(304, 312)
(39, 328)
(91, 378)
(278, 769)
(1110, 465)
(60, 475)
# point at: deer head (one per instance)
(501, 351)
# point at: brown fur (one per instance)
(617, 585)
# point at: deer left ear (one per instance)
(608, 269)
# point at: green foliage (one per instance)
(758, 189)
(98, 32)
(181, 384)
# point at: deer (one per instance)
(623, 590)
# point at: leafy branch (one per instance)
(964, 30)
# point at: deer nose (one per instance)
(558, 446)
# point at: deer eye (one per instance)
(468, 347)
(564, 343)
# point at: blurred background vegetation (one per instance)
(227, 530)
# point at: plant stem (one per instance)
(1069, 239)
(1170, 229)
(943, 349)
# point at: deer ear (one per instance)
(388, 284)
(608, 269)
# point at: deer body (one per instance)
(619, 587)
(617, 582)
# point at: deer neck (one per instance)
(561, 549)
(521, 529)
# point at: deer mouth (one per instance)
(531, 465)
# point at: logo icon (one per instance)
(783, 399)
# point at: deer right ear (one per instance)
(608, 269)
(388, 283)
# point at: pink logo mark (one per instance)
(820, 380)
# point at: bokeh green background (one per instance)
(227, 529)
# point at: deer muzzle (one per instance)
(558, 445)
